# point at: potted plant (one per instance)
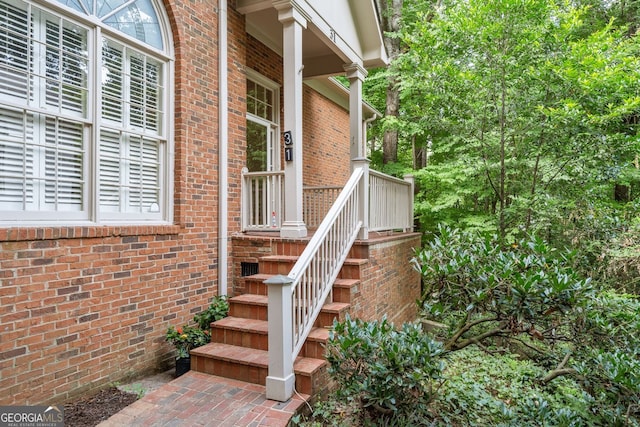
(184, 338)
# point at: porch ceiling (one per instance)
(338, 33)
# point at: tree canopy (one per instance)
(525, 109)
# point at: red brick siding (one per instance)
(326, 141)
(390, 286)
(81, 307)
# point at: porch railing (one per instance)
(295, 300)
(389, 206)
(316, 202)
(262, 204)
(390, 202)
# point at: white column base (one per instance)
(280, 389)
(292, 229)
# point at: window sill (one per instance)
(16, 234)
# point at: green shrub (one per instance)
(524, 290)
(218, 309)
(185, 338)
(393, 375)
(504, 390)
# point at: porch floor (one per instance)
(197, 399)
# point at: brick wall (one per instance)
(326, 141)
(81, 307)
(390, 286)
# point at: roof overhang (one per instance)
(338, 33)
(339, 94)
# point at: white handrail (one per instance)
(320, 262)
(295, 300)
(390, 202)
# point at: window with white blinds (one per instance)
(82, 117)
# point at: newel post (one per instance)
(281, 379)
(363, 195)
(411, 180)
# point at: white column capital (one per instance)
(291, 11)
(355, 71)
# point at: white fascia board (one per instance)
(338, 93)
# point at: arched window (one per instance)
(84, 112)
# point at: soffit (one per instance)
(337, 33)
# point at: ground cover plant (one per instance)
(525, 340)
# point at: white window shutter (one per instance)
(109, 171)
(14, 52)
(16, 160)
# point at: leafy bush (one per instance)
(504, 390)
(527, 289)
(527, 298)
(391, 374)
(218, 309)
(186, 337)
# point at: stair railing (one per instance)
(295, 300)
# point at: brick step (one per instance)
(251, 365)
(290, 247)
(330, 312)
(253, 333)
(250, 333)
(345, 290)
(252, 306)
(315, 344)
(280, 264)
(249, 306)
(346, 285)
(351, 268)
(359, 251)
(277, 264)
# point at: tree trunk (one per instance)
(390, 12)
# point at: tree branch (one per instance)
(474, 340)
(560, 370)
(468, 326)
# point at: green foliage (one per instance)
(503, 390)
(525, 289)
(527, 298)
(531, 108)
(608, 354)
(392, 374)
(184, 338)
(218, 309)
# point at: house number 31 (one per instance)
(288, 138)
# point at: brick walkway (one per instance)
(197, 399)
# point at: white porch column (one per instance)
(356, 75)
(293, 22)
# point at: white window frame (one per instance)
(93, 124)
(273, 125)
